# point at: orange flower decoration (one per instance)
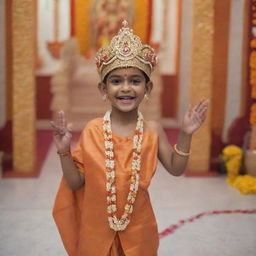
(253, 114)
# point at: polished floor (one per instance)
(27, 227)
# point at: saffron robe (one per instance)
(81, 216)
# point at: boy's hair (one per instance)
(144, 74)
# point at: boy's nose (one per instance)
(126, 86)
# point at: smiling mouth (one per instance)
(126, 99)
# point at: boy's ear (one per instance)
(149, 87)
(102, 88)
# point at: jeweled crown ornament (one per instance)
(125, 50)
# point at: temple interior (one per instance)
(206, 49)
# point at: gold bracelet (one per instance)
(181, 153)
(63, 153)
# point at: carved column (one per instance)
(201, 79)
(23, 43)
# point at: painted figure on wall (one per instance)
(107, 16)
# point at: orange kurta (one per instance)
(81, 216)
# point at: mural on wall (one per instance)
(94, 22)
(107, 16)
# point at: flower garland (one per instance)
(115, 223)
(232, 156)
(246, 184)
(252, 70)
(252, 48)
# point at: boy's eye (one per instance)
(115, 81)
(135, 81)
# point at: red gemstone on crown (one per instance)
(126, 49)
(105, 58)
(98, 63)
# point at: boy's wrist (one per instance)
(185, 134)
(63, 152)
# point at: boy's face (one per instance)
(125, 88)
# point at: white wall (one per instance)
(2, 65)
(45, 31)
(157, 21)
(185, 58)
(168, 45)
(235, 55)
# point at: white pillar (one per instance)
(185, 58)
(235, 58)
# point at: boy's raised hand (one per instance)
(194, 117)
(61, 132)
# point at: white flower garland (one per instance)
(115, 223)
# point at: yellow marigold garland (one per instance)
(252, 68)
(232, 156)
(246, 184)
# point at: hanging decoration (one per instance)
(55, 46)
(252, 70)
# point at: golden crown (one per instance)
(125, 50)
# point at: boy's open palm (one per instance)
(195, 117)
(61, 132)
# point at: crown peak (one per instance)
(125, 23)
(125, 50)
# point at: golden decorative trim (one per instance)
(125, 50)
(201, 78)
(23, 26)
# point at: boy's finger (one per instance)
(198, 105)
(203, 109)
(203, 106)
(59, 118)
(62, 118)
(53, 125)
(69, 127)
(57, 130)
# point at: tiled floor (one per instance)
(27, 228)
